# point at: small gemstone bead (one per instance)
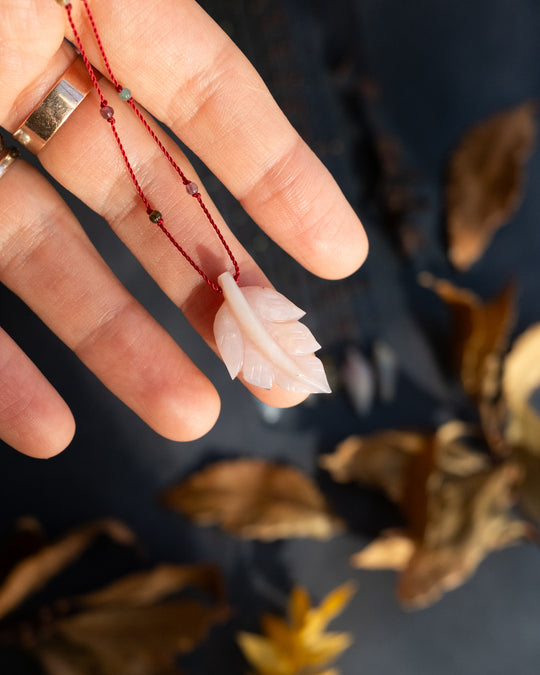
(125, 94)
(63, 3)
(155, 216)
(106, 112)
(192, 188)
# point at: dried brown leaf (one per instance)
(127, 640)
(255, 499)
(485, 181)
(33, 572)
(380, 459)
(529, 488)
(521, 379)
(390, 551)
(480, 333)
(26, 539)
(457, 509)
(453, 454)
(151, 586)
(468, 517)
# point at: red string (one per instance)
(160, 145)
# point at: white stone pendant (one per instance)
(259, 336)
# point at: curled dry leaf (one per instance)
(467, 519)
(521, 380)
(390, 551)
(380, 459)
(453, 456)
(485, 181)
(456, 505)
(151, 586)
(129, 640)
(299, 645)
(134, 626)
(26, 538)
(255, 499)
(34, 571)
(521, 385)
(480, 332)
(529, 488)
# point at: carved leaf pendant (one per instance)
(259, 336)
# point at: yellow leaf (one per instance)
(327, 647)
(332, 605)
(299, 647)
(278, 631)
(262, 654)
(299, 606)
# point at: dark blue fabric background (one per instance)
(437, 67)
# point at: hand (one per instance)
(186, 72)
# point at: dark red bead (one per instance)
(106, 112)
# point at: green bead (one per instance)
(155, 216)
(125, 94)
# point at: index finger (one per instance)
(187, 72)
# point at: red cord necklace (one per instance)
(257, 330)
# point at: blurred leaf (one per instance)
(380, 459)
(26, 539)
(529, 488)
(148, 587)
(34, 571)
(480, 332)
(133, 626)
(390, 551)
(521, 379)
(127, 640)
(457, 508)
(453, 454)
(468, 517)
(485, 181)
(521, 384)
(299, 646)
(255, 499)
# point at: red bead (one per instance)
(106, 112)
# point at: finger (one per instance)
(31, 32)
(83, 157)
(46, 259)
(33, 417)
(184, 69)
